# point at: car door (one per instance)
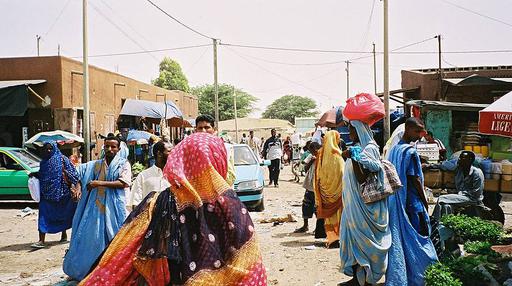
(13, 179)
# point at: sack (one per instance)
(33, 187)
(370, 189)
(364, 107)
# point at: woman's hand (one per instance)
(93, 185)
(76, 192)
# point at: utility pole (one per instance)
(440, 69)
(348, 78)
(86, 126)
(387, 126)
(215, 83)
(38, 38)
(58, 50)
(374, 70)
(236, 115)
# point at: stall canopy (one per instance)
(496, 119)
(14, 96)
(154, 110)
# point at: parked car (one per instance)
(15, 165)
(249, 181)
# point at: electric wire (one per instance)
(178, 21)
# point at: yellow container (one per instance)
(506, 170)
(468, 148)
(485, 151)
(477, 149)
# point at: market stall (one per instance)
(457, 126)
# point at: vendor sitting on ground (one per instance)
(469, 182)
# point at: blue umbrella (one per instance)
(134, 135)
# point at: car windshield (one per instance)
(26, 157)
(244, 156)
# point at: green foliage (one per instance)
(137, 168)
(480, 248)
(290, 106)
(473, 228)
(440, 275)
(171, 76)
(206, 94)
(466, 269)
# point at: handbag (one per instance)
(372, 192)
(33, 187)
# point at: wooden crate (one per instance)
(506, 186)
(433, 178)
(491, 185)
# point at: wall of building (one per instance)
(107, 90)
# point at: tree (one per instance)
(206, 94)
(290, 106)
(171, 76)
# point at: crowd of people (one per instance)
(180, 221)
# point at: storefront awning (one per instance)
(14, 96)
(496, 119)
(447, 105)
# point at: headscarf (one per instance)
(197, 169)
(370, 156)
(51, 175)
(328, 176)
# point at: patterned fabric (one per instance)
(99, 215)
(53, 185)
(370, 191)
(411, 253)
(365, 237)
(196, 233)
(328, 184)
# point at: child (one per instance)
(308, 204)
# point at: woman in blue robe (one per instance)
(365, 237)
(57, 205)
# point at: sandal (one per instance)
(38, 245)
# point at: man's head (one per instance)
(273, 132)
(429, 136)
(306, 147)
(414, 129)
(466, 160)
(176, 141)
(244, 135)
(314, 147)
(251, 133)
(161, 151)
(205, 123)
(111, 146)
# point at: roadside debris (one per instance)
(279, 220)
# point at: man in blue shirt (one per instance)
(469, 182)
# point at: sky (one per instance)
(119, 26)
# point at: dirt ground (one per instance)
(290, 259)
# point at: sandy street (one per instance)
(290, 259)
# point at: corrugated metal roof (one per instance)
(447, 105)
(9, 83)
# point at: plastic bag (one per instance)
(364, 107)
(33, 187)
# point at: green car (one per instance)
(15, 165)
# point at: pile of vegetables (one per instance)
(478, 266)
(136, 169)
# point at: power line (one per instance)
(144, 52)
(122, 31)
(413, 44)
(197, 61)
(58, 17)
(368, 25)
(178, 21)
(294, 49)
(477, 13)
(279, 75)
(127, 23)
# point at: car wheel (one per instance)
(260, 207)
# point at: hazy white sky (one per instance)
(117, 26)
